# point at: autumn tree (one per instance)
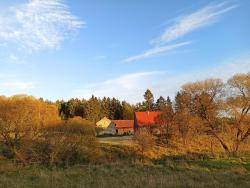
(144, 140)
(66, 142)
(165, 122)
(21, 118)
(183, 114)
(207, 104)
(238, 107)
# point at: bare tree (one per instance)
(238, 104)
(207, 104)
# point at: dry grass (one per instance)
(121, 166)
(167, 174)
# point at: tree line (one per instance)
(95, 108)
(209, 113)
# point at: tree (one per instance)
(183, 114)
(115, 109)
(144, 140)
(93, 109)
(169, 106)
(127, 111)
(140, 106)
(238, 104)
(165, 122)
(21, 118)
(161, 103)
(149, 100)
(66, 142)
(207, 104)
(106, 107)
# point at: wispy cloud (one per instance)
(38, 24)
(129, 81)
(132, 86)
(156, 51)
(168, 86)
(182, 26)
(126, 86)
(185, 24)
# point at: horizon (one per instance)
(60, 49)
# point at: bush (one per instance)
(63, 143)
(144, 140)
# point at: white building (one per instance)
(105, 127)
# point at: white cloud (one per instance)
(171, 84)
(124, 87)
(131, 87)
(182, 26)
(38, 24)
(155, 51)
(198, 19)
(12, 57)
(17, 85)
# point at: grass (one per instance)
(167, 173)
(121, 167)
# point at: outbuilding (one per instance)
(124, 127)
(105, 127)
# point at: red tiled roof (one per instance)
(123, 123)
(146, 118)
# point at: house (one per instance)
(124, 127)
(105, 127)
(145, 119)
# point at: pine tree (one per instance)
(127, 110)
(149, 100)
(161, 104)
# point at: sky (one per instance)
(62, 49)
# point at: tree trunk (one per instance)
(236, 147)
(225, 147)
(19, 156)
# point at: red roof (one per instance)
(146, 118)
(123, 123)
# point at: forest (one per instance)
(207, 121)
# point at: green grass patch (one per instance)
(181, 174)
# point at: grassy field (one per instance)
(162, 173)
(122, 169)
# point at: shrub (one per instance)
(62, 143)
(144, 140)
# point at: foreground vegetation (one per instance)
(159, 173)
(121, 164)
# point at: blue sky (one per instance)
(59, 49)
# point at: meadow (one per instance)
(123, 170)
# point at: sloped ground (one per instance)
(122, 167)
